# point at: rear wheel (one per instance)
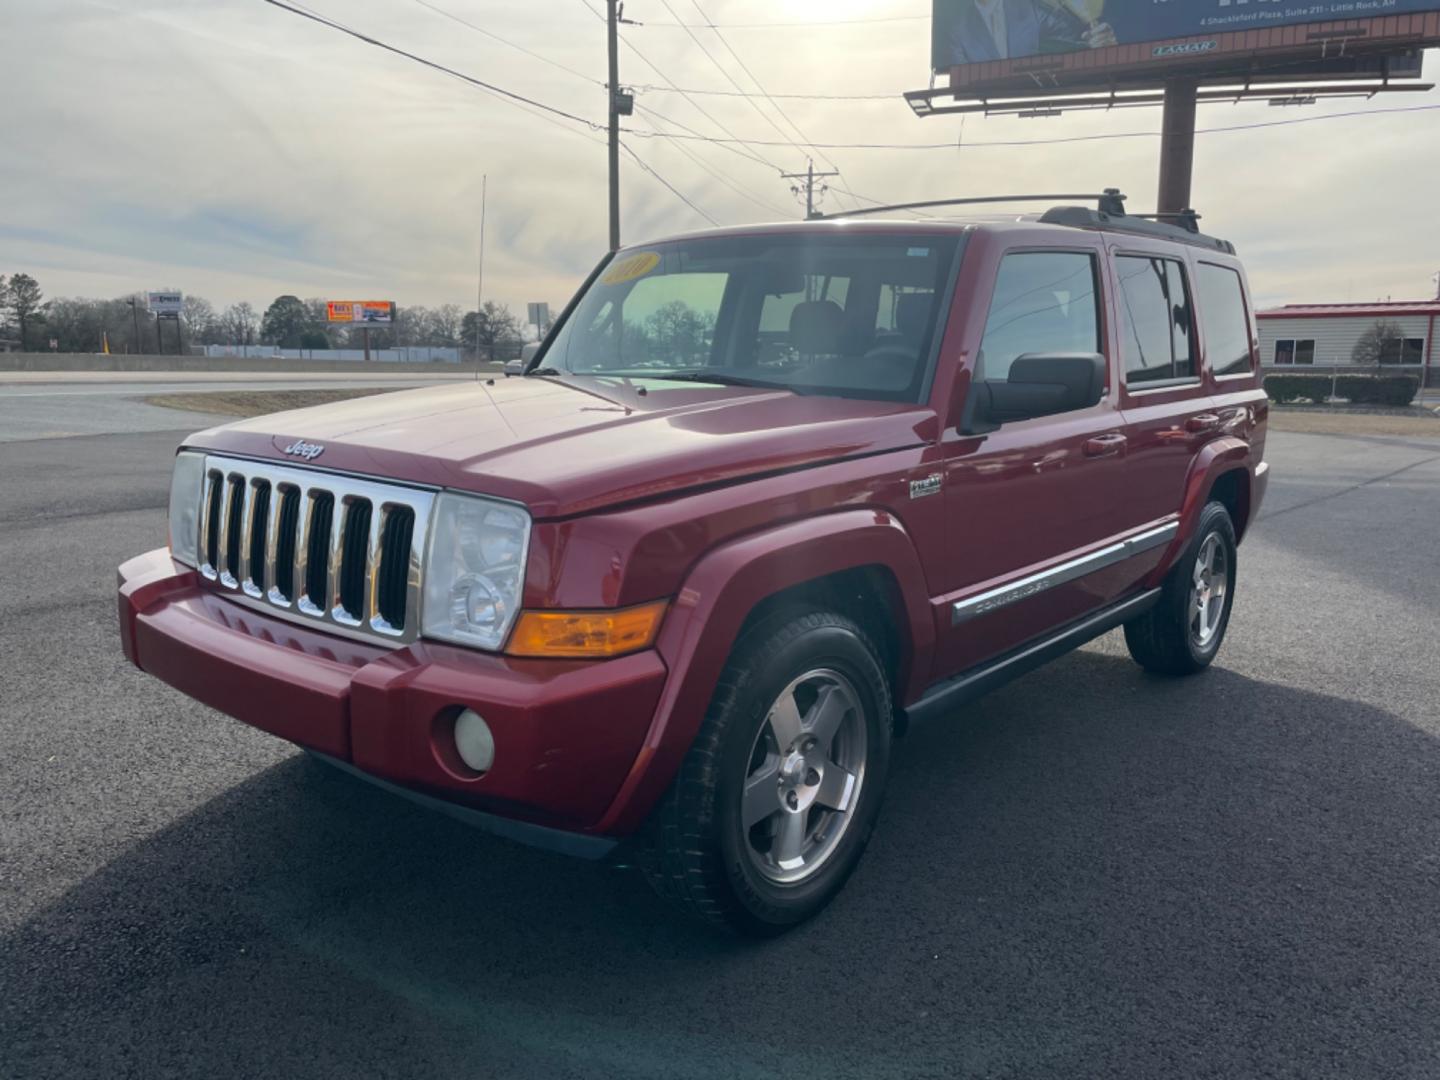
(1181, 634)
(776, 799)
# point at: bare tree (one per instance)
(1371, 349)
(445, 324)
(494, 324)
(241, 323)
(199, 316)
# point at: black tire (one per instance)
(698, 852)
(1165, 639)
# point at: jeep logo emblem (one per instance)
(307, 450)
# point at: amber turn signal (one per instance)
(580, 634)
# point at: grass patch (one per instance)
(1334, 423)
(257, 402)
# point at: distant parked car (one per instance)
(517, 367)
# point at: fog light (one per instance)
(473, 741)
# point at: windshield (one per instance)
(852, 315)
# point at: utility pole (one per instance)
(807, 180)
(622, 103)
(480, 278)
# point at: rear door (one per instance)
(1168, 410)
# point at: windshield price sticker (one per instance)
(630, 268)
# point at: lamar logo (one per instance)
(1189, 48)
(307, 450)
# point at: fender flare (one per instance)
(721, 591)
(1216, 459)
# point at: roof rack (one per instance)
(1113, 217)
(972, 201)
(1110, 214)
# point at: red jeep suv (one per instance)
(765, 496)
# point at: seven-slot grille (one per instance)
(316, 547)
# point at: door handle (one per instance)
(1104, 445)
(1203, 422)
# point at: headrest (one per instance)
(912, 315)
(815, 327)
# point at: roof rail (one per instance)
(1113, 217)
(972, 201)
(1110, 214)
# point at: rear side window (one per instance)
(1156, 316)
(1045, 302)
(1226, 322)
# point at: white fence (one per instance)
(418, 355)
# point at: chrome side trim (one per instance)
(1026, 587)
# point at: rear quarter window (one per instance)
(1225, 320)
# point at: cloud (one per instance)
(239, 152)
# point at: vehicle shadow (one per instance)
(1090, 872)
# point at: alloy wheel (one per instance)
(1210, 583)
(806, 769)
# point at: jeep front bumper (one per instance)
(566, 733)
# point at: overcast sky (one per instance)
(235, 151)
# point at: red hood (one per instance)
(567, 447)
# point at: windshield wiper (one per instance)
(721, 378)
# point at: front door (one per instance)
(1037, 526)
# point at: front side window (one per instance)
(852, 315)
(1156, 316)
(1226, 322)
(1045, 302)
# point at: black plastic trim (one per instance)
(566, 843)
(951, 694)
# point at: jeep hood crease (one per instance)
(564, 448)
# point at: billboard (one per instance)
(165, 305)
(368, 312)
(968, 32)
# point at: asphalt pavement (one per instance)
(50, 404)
(1093, 872)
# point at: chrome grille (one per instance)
(315, 547)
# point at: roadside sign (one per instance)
(165, 305)
(539, 315)
(368, 312)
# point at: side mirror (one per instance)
(1040, 384)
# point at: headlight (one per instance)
(187, 485)
(474, 570)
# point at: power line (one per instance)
(720, 176)
(1069, 139)
(897, 96)
(748, 155)
(728, 77)
(489, 88)
(505, 41)
(759, 86)
(707, 25)
(673, 189)
(733, 138)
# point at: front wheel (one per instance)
(1181, 634)
(776, 799)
